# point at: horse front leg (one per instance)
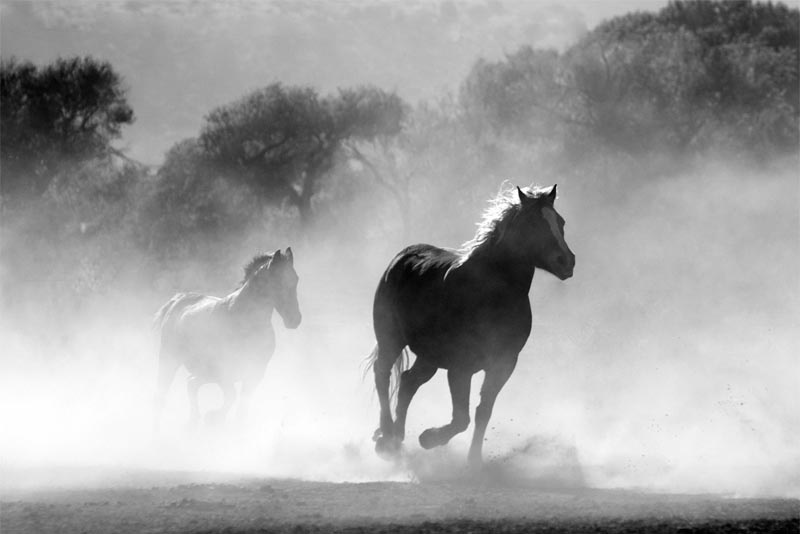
(218, 417)
(192, 390)
(410, 381)
(496, 377)
(459, 381)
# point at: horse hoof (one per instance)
(429, 438)
(387, 447)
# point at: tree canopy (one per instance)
(282, 140)
(695, 74)
(68, 111)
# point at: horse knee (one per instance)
(409, 382)
(413, 379)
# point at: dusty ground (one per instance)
(180, 502)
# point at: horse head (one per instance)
(540, 229)
(284, 287)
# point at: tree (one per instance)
(68, 111)
(189, 202)
(283, 140)
(438, 152)
(522, 94)
(695, 75)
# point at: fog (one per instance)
(668, 363)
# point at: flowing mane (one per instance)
(495, 221)
(254, 265)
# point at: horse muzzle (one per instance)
(563, 265)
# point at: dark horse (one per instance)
(464, 311)
(227, 340)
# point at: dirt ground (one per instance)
(129, 502)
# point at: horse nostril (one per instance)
(561, 261)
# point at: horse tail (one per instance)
(369, 362)
(398, 368)
(161, 315)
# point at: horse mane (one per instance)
(254, 265)
(495, 221)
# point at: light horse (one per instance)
(464, 311)
(226, 340)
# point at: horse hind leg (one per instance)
(459, 382)
(192, 390)
(385, 357)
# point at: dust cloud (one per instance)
(668, 363)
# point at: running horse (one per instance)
(464, 311)
(226, 340)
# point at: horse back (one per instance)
(174, 306)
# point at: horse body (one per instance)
(217, 343)
(464, 311)
(453, 318)
(227, 340)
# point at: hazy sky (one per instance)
(180, 59)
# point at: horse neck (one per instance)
(514, 264)
(246, 300)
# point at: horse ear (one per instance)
(276, 256)
(522, 196)
(551, 196)
(289, 255)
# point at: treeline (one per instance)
(695, 78)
